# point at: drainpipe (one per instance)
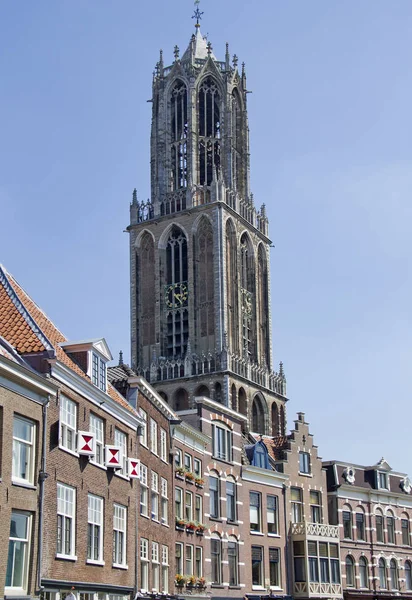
(42, 478)
(288, 556)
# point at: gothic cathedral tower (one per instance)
(199, 249)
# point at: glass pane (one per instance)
(22, 429)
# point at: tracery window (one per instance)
(263, 298)
(176, 294)
(247, 266)
(179, 129)
(237, 143)
(146, 287)
(231, 287)
(209, 131)
(205, 280)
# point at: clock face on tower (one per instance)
(176, 295)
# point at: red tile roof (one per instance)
(26, 332)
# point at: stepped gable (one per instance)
(26, 327)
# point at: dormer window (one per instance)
(98, 372)
(383, 480)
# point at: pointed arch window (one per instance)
(146, 289)
(408, 575)
(205, 279)
(209, 131)
(263, 300)
(178, 134)
(247, 266)
(237, 144)
(176, 294)
(258, 415)
(231, 288)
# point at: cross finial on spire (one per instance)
(197, 14)
(235, 60)
(176, 52)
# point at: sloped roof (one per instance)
(200, 47)
(27, 328)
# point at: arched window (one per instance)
(164, 396)
(231, 508)
(218, 392)
(178, 134)
(203, 390)
(233, 560)
(231, 288)
(234, 397)
(360, 524)
(258, 415)
(347, 522)
(216, 559)
(380, 532)
(238, 159)
(350, 571)
(408, 575)
(275, 420)
(263, 300)
(205, 279)
(214, 491)
(146, 291)
(394, 575)
(181, 399)
(209, 131)
(242, 402)
(390, 527)
(282, 420)
(363, 572)
(248, 300)
(383, 582)
(406, 538)
(176, 294)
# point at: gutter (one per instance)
(288, 555)
(42, 478)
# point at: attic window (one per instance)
(98, 372)
(383, 480)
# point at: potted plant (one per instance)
(201, 583)
(180, 524)
(190, 581)
(200, 528)
(191, 527)
(199, 481)
(180, 580)
(180, 472)
(189, 477)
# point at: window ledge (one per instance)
(96, 464)
(258, 587)
(99, 563)
(116, 566)
(72, 452)
(257, 533)
(274, 535)
(145, 516)
(305, 474)
(217, 519)
(66, 557)
(235, 587)
(23, 484)
(217, 585)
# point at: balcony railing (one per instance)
(316, 529)
(308, 590)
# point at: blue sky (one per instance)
(331, 157)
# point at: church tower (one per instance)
(199, 248)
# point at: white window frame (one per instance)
(222, 442)
(144, 491)
(154, 496)
(95, 512)
(305, 467)
(66, 509)
(163, 444)
(188, 506)
(144, 564)
(188, 462)
(180, 546)
(120, 441)
(179, 509)
(198, 572)
(25, 545)
(165, 569)
(68, 425)
(99, 372)
(255, 512)
(143, 436)
(153, 436)
(96, 426)
(198, 510)
(383, 475)
(155, 567)
(164, 501)
(23, 452)
(119, 535)
(272, 513)
(189, 559)
(197, 467)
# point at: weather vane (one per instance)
(198, 14)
